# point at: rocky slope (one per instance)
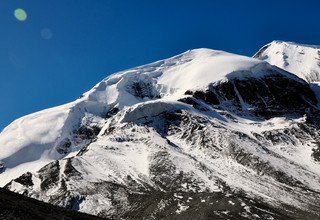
(16, 207)
(203, 135)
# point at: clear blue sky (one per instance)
(64, 47)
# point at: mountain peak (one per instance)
(299, 59)
(50, 132)
(291, 43)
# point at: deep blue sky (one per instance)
(67, 46)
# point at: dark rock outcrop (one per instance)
(17, 207)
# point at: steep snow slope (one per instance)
(302, 60)
(205, 134)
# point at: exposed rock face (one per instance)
(270, 96)
(2, 167)
(242, 145)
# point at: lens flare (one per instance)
(20, 14)
(46, 33)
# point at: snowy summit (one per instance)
(302, 60)
(47, 132)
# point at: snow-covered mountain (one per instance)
(302, 60)
(205, 134)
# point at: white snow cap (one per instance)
(302, 60)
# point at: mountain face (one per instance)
(302, 60)
(202, 135)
